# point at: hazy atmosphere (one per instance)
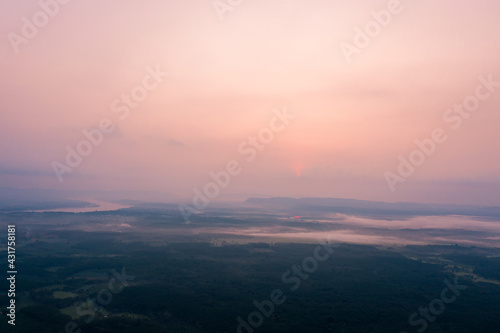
(220, 71)
(265, 166)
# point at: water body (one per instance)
(101, 207)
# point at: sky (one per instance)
(209, 76)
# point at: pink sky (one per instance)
(352, 120)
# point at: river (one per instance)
(102, 206)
